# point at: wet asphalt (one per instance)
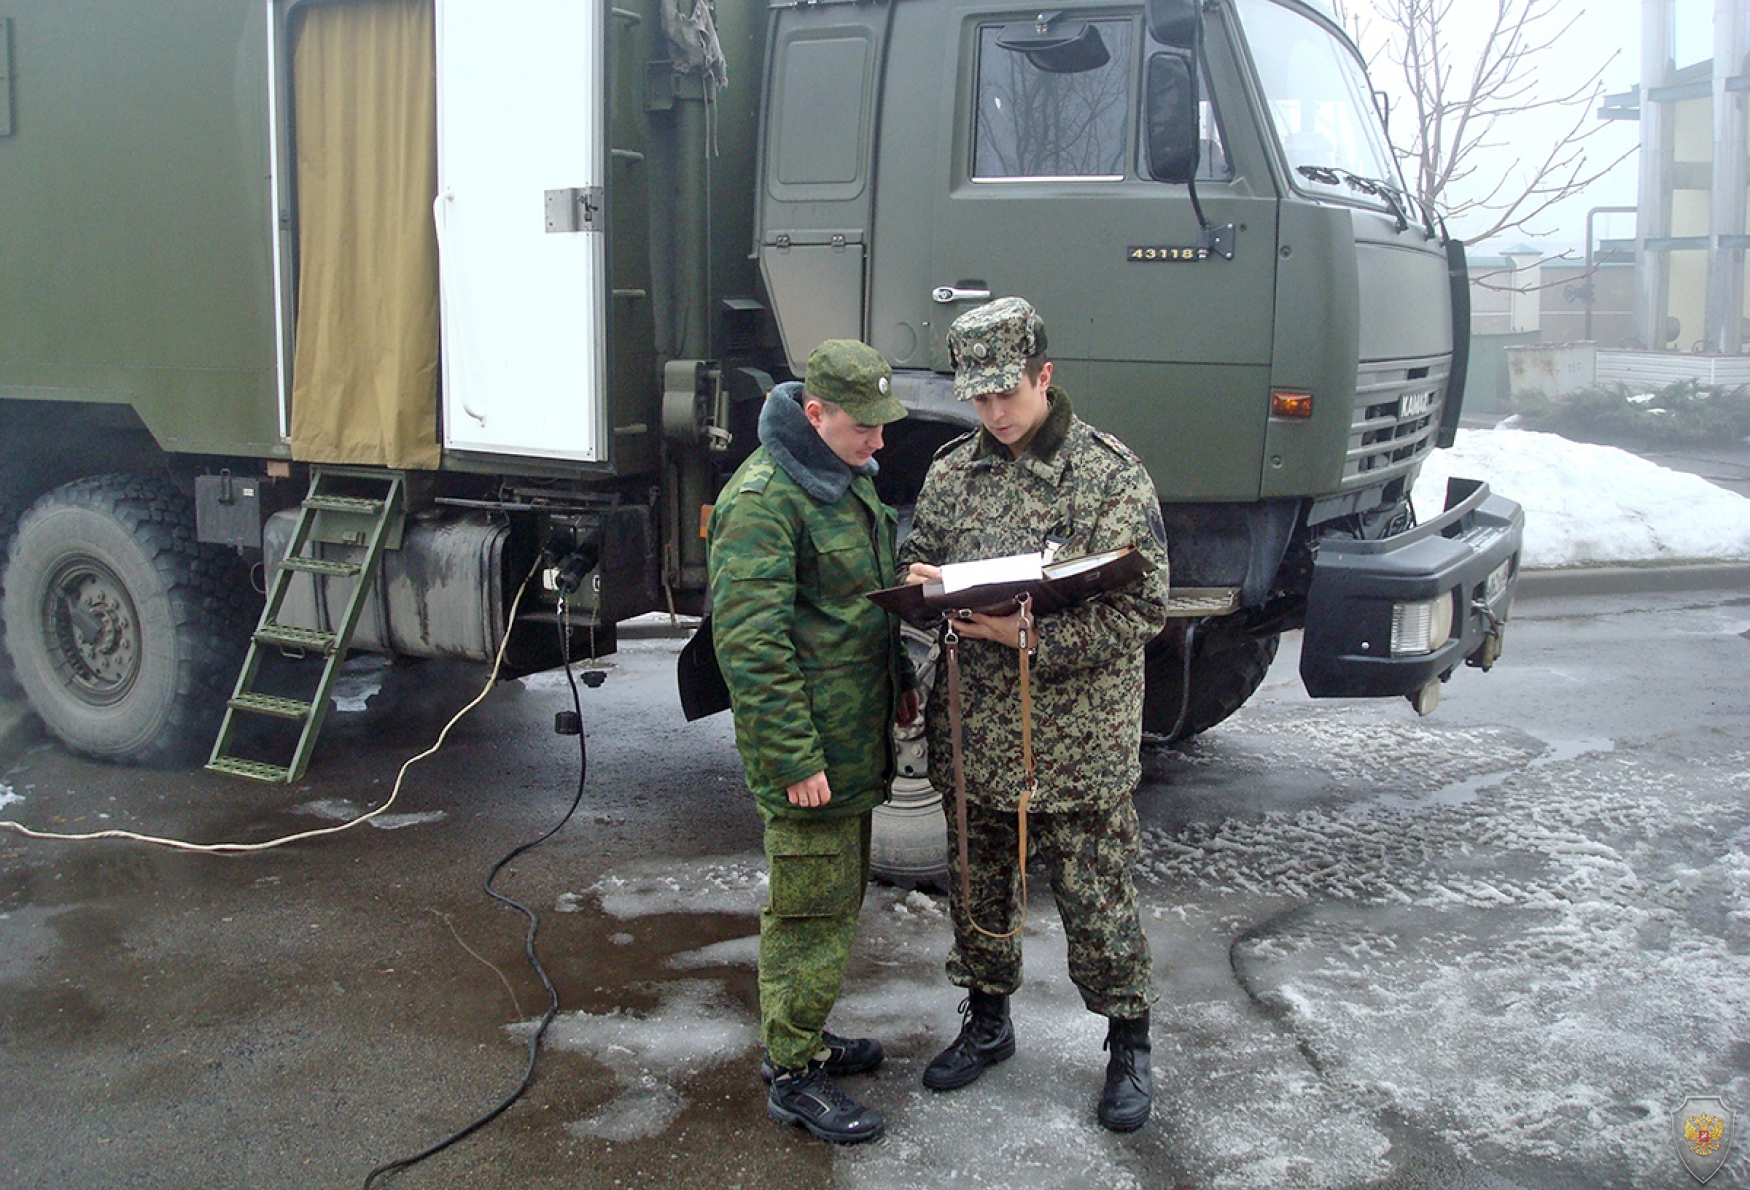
(296, 1017)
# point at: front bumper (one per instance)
(1346, 650)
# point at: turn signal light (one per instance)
(1290, 404)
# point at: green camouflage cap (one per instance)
(990, 345)
(854, 377)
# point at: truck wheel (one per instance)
(125, 632)
(11, 505)
(1227, 665)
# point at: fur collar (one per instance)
(1046, 442)
(799, 449)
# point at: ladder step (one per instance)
(322, 566)
(344, 504)
(254, 770)
(297, 638)
(270, 704)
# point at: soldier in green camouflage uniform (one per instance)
(1037, 477)
(816, 674)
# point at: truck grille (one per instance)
(1397, 415)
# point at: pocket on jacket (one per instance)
(815, 867)
(843, 559)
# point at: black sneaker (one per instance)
(811, 1099)
(844, 1056)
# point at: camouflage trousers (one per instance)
(1088, 855)
(820, 868)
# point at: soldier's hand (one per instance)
(908, 708)
(1004, 630)
(810, 792)
(920, 572)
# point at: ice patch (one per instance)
(7, 797)
(335, 809)
(640, 1113)
(1538, 960)
(359, 680)
(395, 822)
(696, 1026)
(568, 903)
(737, 952)
(732, 885)
(920, 904)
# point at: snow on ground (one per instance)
(1528, 963)
(1482, 946)
(1591, 505)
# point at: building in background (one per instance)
(1691, 234)
(1669, 304)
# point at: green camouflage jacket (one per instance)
(1085, 488)
(813, 667)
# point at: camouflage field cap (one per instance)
(990, 345)
(854, 377)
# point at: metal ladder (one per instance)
(334, 512)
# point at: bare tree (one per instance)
(1469, 96)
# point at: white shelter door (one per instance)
(520, 213)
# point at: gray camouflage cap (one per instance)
(990, 346)
(856, 378)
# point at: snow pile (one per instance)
(1593, 505)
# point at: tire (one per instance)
(1227, 665)
(124, 631)
(11, 505)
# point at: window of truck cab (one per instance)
(1036, 125)
(1321, 105)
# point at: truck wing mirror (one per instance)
(1066, 48)
(1171, 117)
(1175, 22)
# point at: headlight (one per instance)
(1420, 627)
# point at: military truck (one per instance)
(326, 324)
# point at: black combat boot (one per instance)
(986, 1038)
(1130, 1087)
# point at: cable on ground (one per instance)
(320, 832)
(534, 959)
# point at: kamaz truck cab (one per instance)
(1201, 200)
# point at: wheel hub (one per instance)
(91, 622)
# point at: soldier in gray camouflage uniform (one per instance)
(1034, 477)
(816, 675)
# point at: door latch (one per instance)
(575, 208)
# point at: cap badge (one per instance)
(980, 351)
(881, 386)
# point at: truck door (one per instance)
(521, 241)
(816, 180)
(999, 177)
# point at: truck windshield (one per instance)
(1320, 104)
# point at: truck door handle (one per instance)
(948, 294)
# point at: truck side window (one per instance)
(1038, 124)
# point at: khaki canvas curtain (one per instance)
(365, 372)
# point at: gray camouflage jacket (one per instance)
(1076, 484)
